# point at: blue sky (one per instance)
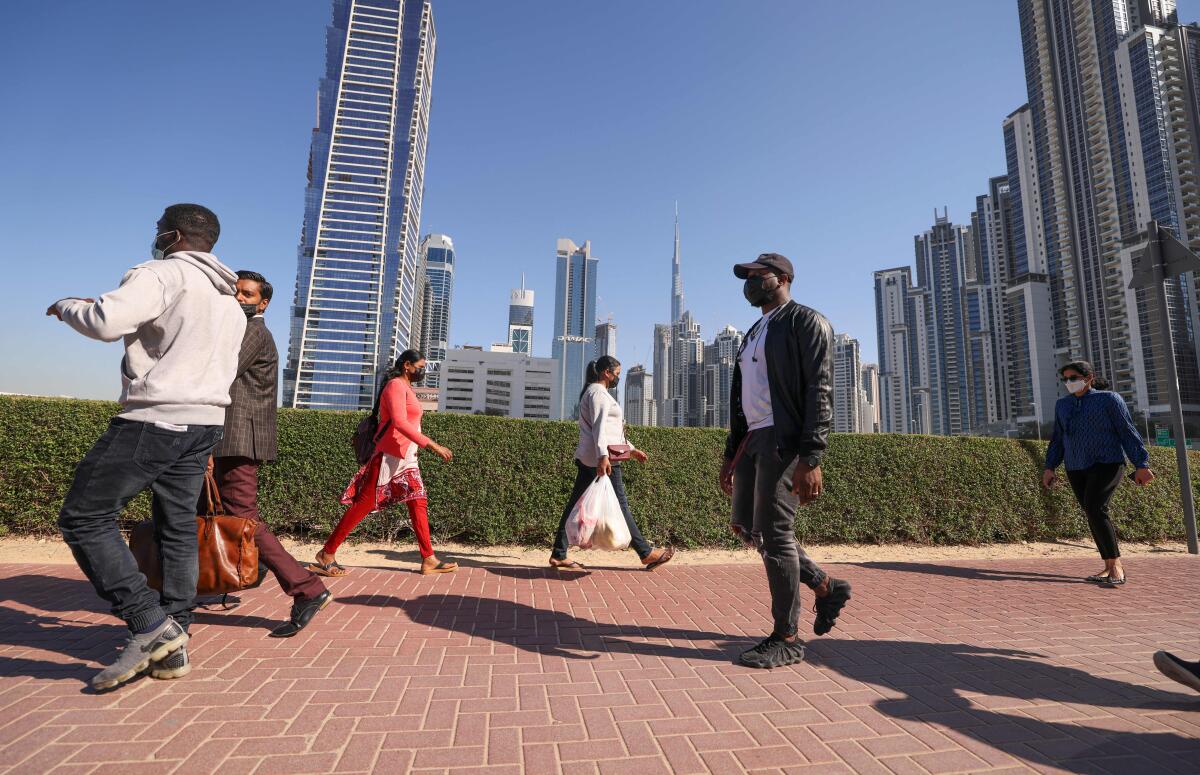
(825, 131)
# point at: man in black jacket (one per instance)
(781, 410)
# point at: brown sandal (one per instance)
(329, 569)
(441, 567)
(667, 552)
(566, 564)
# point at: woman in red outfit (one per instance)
(391, 475)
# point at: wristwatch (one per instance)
(813, 461)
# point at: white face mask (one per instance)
(1075, 386)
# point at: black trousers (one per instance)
(129, 457)
(765, 509)
(1094, 488)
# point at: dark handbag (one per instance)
(228, 556)
(365, 437)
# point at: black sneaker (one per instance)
(1186, 673)
(774, 652)
(174, 665)
(827, 608)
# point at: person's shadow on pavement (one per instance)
(977, 574)
(81, 640)
(556, 633)
(936, 679)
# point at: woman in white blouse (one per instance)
(601, 426)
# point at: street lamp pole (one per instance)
(1160, 253)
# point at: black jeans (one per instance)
(765, 509)
(129, 457)
(584, 477)
(1094, 488)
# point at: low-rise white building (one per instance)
(506, 384)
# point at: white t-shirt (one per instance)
(756, 390)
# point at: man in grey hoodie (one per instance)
(182, 326)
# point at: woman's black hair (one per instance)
(596, 368)
(397, 370)
(1083, 367)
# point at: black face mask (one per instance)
(756, 291)
(250, 309)
(616, 381)
(417, 376)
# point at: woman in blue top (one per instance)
(1093, 434)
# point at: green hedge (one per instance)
(510, 478)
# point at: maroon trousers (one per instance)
(237, 481)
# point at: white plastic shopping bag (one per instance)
(610, 532)
(597, 520)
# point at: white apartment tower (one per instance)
(520, 319)
(847, 389)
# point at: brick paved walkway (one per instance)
(1002, 667)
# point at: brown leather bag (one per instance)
(228, 556)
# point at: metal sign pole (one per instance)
(1154, 254)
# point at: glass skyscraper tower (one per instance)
(437, 290)
(574, 322)
(357, 279)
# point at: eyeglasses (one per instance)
(1069, 379)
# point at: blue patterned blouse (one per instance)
(1094, 428)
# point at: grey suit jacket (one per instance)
(250, 419)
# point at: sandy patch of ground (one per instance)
(53, 551)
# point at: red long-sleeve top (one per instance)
(400, 406)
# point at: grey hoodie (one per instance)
(182, 328)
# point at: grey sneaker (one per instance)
(139, 651)
(174, 665)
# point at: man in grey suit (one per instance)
(250, 441)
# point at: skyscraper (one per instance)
(1034, 310)
(606, 339)
(847, 386)
(719, 359)
(664, 412)
(520, 319)
(356, 297)
(687, 374)
(986, 281)
(941, 254)
(899, 345)
(640, 407)
(606, 344)
(574, 322)
(1080, 147)
(677, 305)
(437, 262)
(869, 413)
(1158, 72)
(666, 347)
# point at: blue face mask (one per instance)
(158, 254)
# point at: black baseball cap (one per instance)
(773, 261)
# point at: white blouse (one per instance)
(601, 425)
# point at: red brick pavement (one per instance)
(934, 668)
